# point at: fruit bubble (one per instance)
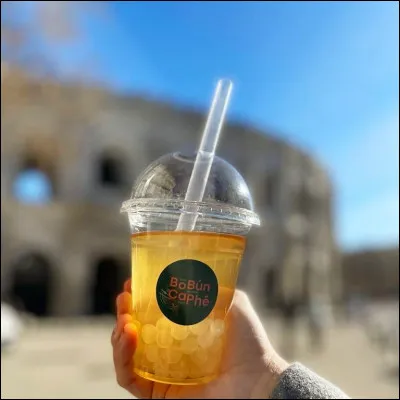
(152, 353)
(161, 370)
(163, 324)
(171, 355)
(149, 333)
(144, 364)
(199, 357)
(139, 353)
(200, 328)
(179, 332)
(164, 339)
(189, 345)
(179, 371)
(205, 341)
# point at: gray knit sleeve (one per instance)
(298, 382)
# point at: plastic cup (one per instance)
(183, 281)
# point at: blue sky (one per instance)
(323, 75)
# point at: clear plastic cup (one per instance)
(183, 281)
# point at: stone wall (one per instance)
(371, 273)
(82, 224)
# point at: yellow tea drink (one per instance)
(182, 287)
(186, 255)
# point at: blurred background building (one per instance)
(65, 248)
(372, 274)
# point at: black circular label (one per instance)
(187, 291)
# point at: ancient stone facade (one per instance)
(75, 248)
(371, 274)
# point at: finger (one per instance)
(124, 303)
(122, 321)
(128, 286)
(123, 363)
(123, 353)
(130, 331)
(159, 390)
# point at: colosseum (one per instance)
(68, 254)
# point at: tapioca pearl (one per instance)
(164, 339)
(149, 334)
(205, 341)
(189, 345)
(161, 370)
(163, 324)
(148, 368)
(195, 371)
(200, 328)
(179, 370)
(151, 352)
(218, 327)
(161, 363)
(171, 355)
(144, 364)
(179, 332)
(199, 357)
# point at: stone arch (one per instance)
(31, 283)
(107, 281)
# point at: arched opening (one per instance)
(34, 182)
(110, 171)
(31, 284)
(108, 279)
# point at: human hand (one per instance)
(250, 366)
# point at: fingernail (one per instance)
(127, 286)
(130, 329)
(121, 322)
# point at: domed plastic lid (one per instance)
(160, 191)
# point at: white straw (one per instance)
(205, 155)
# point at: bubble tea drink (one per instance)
(189, 216)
